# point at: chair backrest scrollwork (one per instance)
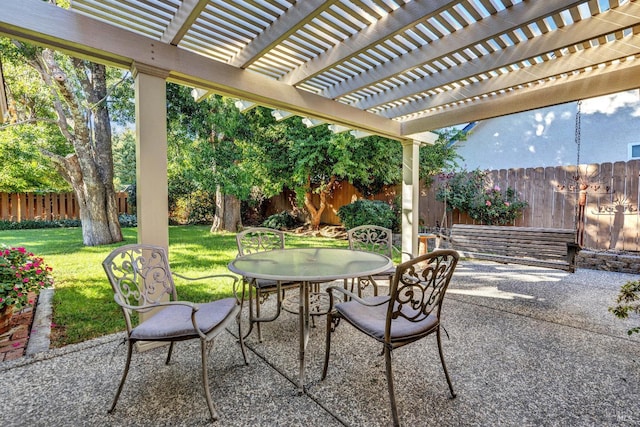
(259, 239)
(419, 286)
(139, 275)
(371, 238)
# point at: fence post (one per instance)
(5, 214)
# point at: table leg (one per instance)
(303, 313)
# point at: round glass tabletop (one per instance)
(310, 264)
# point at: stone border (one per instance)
(620, 262)
(40, 334)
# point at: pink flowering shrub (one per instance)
(21, 273)
(471, 192)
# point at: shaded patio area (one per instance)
(528, 346)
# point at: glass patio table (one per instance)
(308, 266)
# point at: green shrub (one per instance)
(132, 194)
(33, 224)
(280, 221)
(127, 220)
(196, 207)
(472, 193)
(202, 205)
(371, 212)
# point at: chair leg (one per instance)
(392, 396)
(444, 366)
(205, 380)
(327, 348)
(124, 376)
(364, 282)
(241, 338)
(375, 287)
(169, 353)
(258, 297)
(252, 322)
(250, 311)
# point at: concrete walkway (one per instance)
(527, 347)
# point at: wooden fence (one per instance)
(19, 207)
(610, 216)
(605, 207)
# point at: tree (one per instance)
(310, 161)
(324, 158)
(23, 168)
(250, 156)
(628, 302)
(442, 155)
(76, 96)
(205, 153)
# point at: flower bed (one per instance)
(22, 276)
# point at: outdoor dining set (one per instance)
(354, 292)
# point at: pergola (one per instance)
(395, 68)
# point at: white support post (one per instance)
(152, 198)
(410, 197)
(152, 193)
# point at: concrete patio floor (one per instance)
(527, 347)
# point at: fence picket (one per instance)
(630, 206)
(617, 216)
(604, 200)
(47, 208)
(5, 213)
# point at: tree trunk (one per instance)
(218, 216)
(97, 226)
(316, 213)
(232, 216)
(89, 170)
(104, 199)
(228, 216)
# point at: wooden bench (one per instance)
(542, 247)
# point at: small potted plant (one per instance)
(22, 276)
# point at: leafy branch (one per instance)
(628, 302)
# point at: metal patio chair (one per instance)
(259, 239)
(410, 312)
(371, 238)
(143, 283)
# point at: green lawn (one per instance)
(83, 300)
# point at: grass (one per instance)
(83, 305)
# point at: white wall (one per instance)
(546, 137)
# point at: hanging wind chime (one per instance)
(581, 184)
(584, 183)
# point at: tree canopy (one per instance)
(63, 101)
(31, 126)
(215, 151)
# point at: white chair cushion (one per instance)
(174, 321)
(371, 320)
